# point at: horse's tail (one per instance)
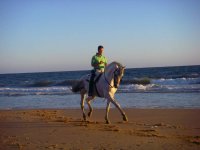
(77, 86)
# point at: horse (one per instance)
(106, 87)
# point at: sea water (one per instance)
(159, 87)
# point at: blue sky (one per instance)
(56, 35)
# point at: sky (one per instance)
(63, 35)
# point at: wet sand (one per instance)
(65, 129)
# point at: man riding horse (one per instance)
(106, 84)
(98, 62)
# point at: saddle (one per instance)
(97, 77)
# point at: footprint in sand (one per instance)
(110, 128)
(194, 140)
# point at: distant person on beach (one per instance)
(99, 63)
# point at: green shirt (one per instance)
(97, 59)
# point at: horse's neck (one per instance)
(109, 73)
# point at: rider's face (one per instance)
(100, 51)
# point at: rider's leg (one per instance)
(91, 83)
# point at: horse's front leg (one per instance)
(88, 100)
(112, 99)
(82, 104)
(107, 112)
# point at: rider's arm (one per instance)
(94, 62)
(105, 61)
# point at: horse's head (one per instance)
(116, 70)
(118, 74)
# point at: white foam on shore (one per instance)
(177, 81)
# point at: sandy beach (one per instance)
(64, 129)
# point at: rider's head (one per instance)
(100, 49)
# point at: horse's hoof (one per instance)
(125, 118)
(90, 114)
(84, 118)
(107, 122)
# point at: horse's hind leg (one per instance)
(82, 103)
(107, 112)
(88, 100)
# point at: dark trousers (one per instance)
(91, 83)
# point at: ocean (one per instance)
(156, 87)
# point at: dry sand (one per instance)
(64, 129)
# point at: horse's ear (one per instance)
(117, 66)
(123, 67)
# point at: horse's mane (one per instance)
(115, 62)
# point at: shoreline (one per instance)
(65, 129)
(129, 100)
